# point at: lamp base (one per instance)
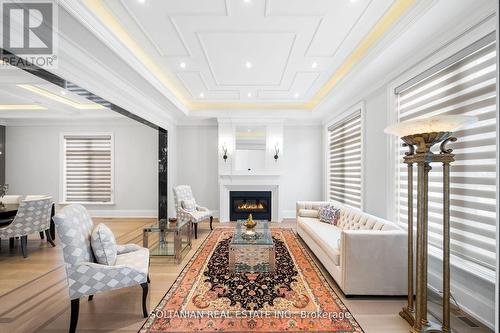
(408, 315)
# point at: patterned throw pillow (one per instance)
(189, 205)
(329, 214)
(103, 244)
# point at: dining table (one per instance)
(9, 211)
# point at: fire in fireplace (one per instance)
(243, 203)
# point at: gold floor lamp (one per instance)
(420, 136)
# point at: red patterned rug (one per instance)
(208, 297)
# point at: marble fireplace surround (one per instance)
(249, 182)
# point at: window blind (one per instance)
(465, 87)
(344, 160)
(88, 168)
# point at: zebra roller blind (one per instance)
(466, 86)
(88, 168)
(344, 160)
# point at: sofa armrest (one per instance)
(309, 205)
(374, 262)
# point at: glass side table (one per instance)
(168, 239)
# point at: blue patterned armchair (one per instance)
(183, 197)
(85, 276)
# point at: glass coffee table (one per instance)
(168, 239)
(252, 252)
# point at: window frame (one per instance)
(62, 163)
(336, 119)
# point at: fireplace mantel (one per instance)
(249, 182)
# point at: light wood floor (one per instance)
(34, 296)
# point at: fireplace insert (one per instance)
(243, 203)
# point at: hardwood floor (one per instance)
(34, 296)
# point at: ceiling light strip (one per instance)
(382, 26)
(104, 14)
(60, 99)
(21, 107)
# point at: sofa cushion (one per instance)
(327, 236)
(329, 214)
(103, 245)
(308, 213)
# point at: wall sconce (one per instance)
(224, 151)
(276, 152)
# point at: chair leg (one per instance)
(211, 220)
(149, 280)
(24, 246)
(144, 297)
(41, 235)
(75, 309)
(91, 297)
(195, 230)
(49, 238)
(11, 242)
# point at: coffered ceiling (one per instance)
(246, 54)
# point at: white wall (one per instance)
(197, 163)
(33, 164)
(302, 168)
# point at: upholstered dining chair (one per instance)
(32, 216)
(187, 208)
(85, 276)
(40, 196)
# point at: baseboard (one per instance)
(138, 213)
(288, 214)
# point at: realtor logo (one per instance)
(28, 32)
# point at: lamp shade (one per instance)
(429, 125)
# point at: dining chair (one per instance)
(32, 216)
(41, 196)
(187, 208)
(85, 276)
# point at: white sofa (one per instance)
(366, 255)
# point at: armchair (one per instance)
(199, 214)
(85, 276)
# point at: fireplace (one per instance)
(243, 203)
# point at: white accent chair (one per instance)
(32, 216)
(199, 214)
(11, 199)
(365, 255)
(85, 276)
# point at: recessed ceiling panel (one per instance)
(247, 58)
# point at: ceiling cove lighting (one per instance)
(383, 25)
(21, 107)
(60, 99)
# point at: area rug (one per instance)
(207, 297)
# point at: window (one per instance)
(464, 84)
(344, 160)
(88, 168)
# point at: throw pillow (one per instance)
(308, 213)
(189, 205)
(329, 214)
(103, 245)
